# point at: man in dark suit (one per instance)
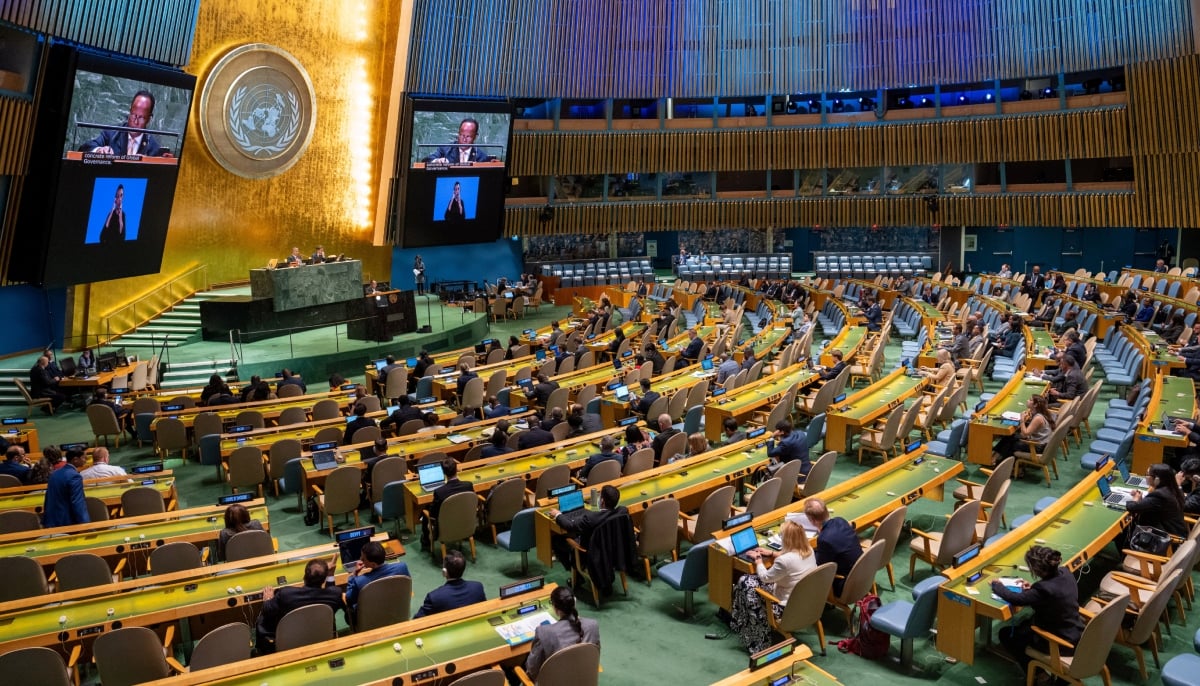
(581, 529)
(64, 503)
(837, 541)
(124, 416)
(608, 451)
(665, 431)
(424, 362)
(404, 411)
(14, 463)
(534, 437)
(494, 409)
(655, 358)
(497, 444)
(786, 445)
(295, 259)
(113, 230)
(360, 421)
(456, 592)
(1069, 382)
(138, 142)
(463, 150)
(43, 384)
(293, 379)
(838, 365)
(873, 314)
(372, 565)
(695, 344)
(318, 257)
(452, 486)
(542, 389)
(641, 405)
(278, 602)
(1034, 283)
(731, 432)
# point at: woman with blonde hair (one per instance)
(749, 615)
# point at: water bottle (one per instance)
(595, 497)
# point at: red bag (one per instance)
(868, 642)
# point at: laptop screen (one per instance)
(540, 355)
(324, 459)
(571, 501)
(525, 383)
(743, 540)
(380, 364)
(1105, 489)
(706, 364)
(622, 392)
(431, 473)
(410, 362)
(350, 543)
(1124, 467)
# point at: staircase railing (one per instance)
(156, 301)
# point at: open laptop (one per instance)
(350, 544)
(743, 541)
(622, 392)
(570, 507)
(325, 459)
(706, 364)
(1115, 498)
(431, 476)
(1136, 481)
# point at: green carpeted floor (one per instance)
(644, 639)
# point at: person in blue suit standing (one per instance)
(64, 504)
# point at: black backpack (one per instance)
(312, 512)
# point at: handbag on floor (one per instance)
(1147, 539)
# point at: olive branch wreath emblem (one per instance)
(282, 143)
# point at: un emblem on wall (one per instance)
(257, 111)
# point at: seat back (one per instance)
(558, 398)
(924, 607)
(221, 646)
(132, 655)
(608, 470)
(660, 523)
(252, 417)
(37, 667)
(505, 501)
(342, 490)
(639, 461)
(246, 467)
(995, 514)
(472, 395)
(410, 427)
(577, 665)
(97, 509)
(247, 544)
(807, 601)
(862, 574)
(658, 407)
(555, 477)
(13, 521)
(675, 445)
(713, 513)
(103, 420)
(522, 535)
(141, 500)
(1094, 645)
(384, 601)
(888, 531)
(23, 578)
(395, 384)
(959, 532)
(170, 432)
(765, 497)
(456, 518)
(488, 677)
(207, 423)
(292, 415)
(290, 390)
(329, 434)
(818, 475)
(327, 408)
(304, 626)
(366, 434)
(281, 451)
(385, 471)
(175, 557)
(81, 570)
(1152, 609)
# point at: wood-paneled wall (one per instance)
(1051, 136)
(150, 29)
(707, 48)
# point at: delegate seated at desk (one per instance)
(582, 528)
(277, 603)
(1054, 599)
(456, 592)
(113, 142)
(372, 564)
(569, 630)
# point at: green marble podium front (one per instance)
(308, 286)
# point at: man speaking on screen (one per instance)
(112, 142)
(464, 150)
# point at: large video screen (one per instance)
(457, 157)
(118, 127)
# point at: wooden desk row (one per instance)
(862, 501)
(689, 481)
(865, 406)
(1172, 396)
(109, 490)
(1077, 524)
(752, 397)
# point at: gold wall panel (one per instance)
(16, 130)
(233, 224)
(1050, 136)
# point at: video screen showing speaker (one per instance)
(457, 170)
(112, 131)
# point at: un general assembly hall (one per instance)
(570, 342)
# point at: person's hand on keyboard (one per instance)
(554, 513)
